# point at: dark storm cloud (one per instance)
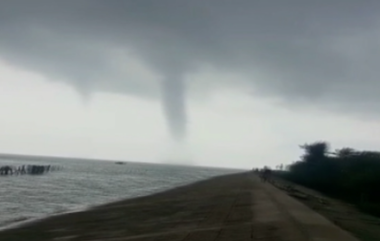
(299, 50)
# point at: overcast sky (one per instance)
(241, 83)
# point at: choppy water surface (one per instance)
(82, 184)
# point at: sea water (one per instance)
(81, 184)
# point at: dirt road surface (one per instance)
(228, 208)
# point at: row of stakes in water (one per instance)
(27, 170)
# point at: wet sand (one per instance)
(232, 207)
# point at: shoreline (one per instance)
(20, 224)
(31, 220)
(85, 208)
(135, 213)
(228, 207)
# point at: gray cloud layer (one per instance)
(301, 50)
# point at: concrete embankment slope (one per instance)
(227, 208)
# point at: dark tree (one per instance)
(348, 174)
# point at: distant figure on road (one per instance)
(266, 174)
